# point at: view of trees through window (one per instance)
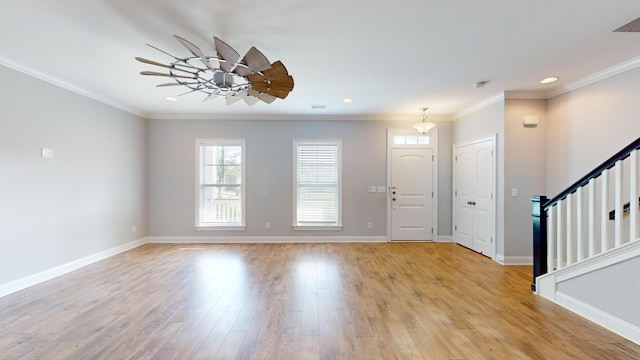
(221, 184)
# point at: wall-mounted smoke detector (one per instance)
(633, 26)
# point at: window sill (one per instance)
(317, 227)
(220, 228)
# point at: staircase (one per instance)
(587, 245)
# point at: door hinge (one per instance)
(433, 157)
(432, 194)
(492, 239)
(455, 193)
(432, 230)
(492, 196)
(456, 157)
(491, 152)
(455, 227)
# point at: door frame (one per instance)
(494, 186)
(433, 145)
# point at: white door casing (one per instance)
(474, 200)
(412, 175)
(411, 194)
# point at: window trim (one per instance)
(312, 226)
(243, 182)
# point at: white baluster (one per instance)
(592, 216)
(559, 238)
(551, 213)
(579, 239)
(604, 213)
(617, 223)
(569, 237)
(633, 196)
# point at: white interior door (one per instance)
(411, 194)
(474, 218)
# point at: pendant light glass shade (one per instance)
(423, 126)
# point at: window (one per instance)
(318, 185)
(220, 194)
(411, 140)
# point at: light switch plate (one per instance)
(382, 189)
(371, 189)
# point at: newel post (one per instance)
(539, 238)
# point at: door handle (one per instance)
(394, 199)
(471, 203)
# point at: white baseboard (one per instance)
(37, 278)
(261, 239)
(599, 317)
(445, 238)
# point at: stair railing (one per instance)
(596, 214)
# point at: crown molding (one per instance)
(303, 117)
(65, 85)
(528, 95)
(595, 77)
(479, 106)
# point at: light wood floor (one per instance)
(297, 301)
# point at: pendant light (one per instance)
(423, 126)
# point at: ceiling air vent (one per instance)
(633, 26)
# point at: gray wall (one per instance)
(84, 200)
(612, 289)
(589, 125)
(484, 122)
(525, 170)
(171, 149)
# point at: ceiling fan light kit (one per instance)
(252, 78)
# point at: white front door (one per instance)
(474, 196)
(411, 194)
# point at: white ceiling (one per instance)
(391, 57)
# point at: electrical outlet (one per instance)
(134, 229)
(369, 225)
(267, 225)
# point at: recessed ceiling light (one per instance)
(347, 100)
(549, 80)
(171, 98)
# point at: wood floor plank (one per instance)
(297, 301)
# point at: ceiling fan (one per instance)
(251, 78)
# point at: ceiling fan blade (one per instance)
(275, 81)
(262, 96)
(226, 53)
(151, 62)
(153, 73)
(255, 61)
(195, 51)
(232, 98)
(251, 100)
(211, 96)
(177, 84)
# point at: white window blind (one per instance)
(221, 183)
(317, 183)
